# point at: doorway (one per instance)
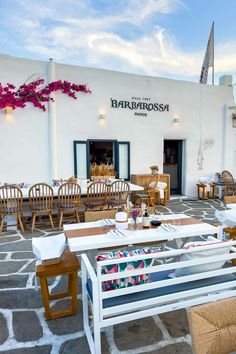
(172, 164)
(102, 152)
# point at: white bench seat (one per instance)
(148, 294)
(163, 293)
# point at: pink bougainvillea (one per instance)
(36, 92)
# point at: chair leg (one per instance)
(33, 221)
(20, 222)
(2, 221)
(51, 221)
(60, 219)
(77, 216)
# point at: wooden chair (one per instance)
(68, 200)
(230, 187)
(40, 199)
(148, 196)
(96, 196)
(118, 194)
(11, 200)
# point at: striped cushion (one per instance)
(121, 267)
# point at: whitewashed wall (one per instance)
(202, 111)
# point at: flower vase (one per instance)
(135, 224)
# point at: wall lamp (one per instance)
(102, 119)
(8, 112)
(176, 120)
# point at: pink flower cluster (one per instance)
(37, 93)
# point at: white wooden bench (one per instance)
(162, 294)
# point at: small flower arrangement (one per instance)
(134, 213)
(154, 169)
(36, 92)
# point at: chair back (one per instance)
(69, 195)
(119, 192)
(153, 183)
(229, 182)
(97, 191)
(99, 215)
(41, 197)
(11, 199)
(230, 199)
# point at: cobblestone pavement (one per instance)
(23, 328)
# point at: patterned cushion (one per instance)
(121, 267)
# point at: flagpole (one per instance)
(213, 66)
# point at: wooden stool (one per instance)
(202, 191)
(68, 265)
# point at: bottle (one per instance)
(146, 220)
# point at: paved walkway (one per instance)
(23, 328)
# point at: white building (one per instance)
(38, 146)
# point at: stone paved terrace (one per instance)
(23, 328)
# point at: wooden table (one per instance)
(95, 235)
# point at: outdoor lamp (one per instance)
(102, 119)
(176, 120)
(8, 112)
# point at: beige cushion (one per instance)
(213, 327)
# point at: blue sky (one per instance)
(164, 38)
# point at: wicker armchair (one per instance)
(68, 200)
(96, 196)
(11, 199)
(118, 194)
(230, 187)
(40, 199)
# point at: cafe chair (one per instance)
(11, 200)
(90, 216)
(213, 327)
(230, 187)
(68, 200)
(118, 194)
(40, 199)
(96, 196)
(148, 196)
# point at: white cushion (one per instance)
(49, 247)
(201, 255)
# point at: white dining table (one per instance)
(133, 237)
(133, 188)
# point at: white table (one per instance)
(133, 188)
(86, 243)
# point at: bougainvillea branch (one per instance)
(37, 93)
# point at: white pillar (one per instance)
(52, 120)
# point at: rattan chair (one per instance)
(11, 200)
(96, 196)
(68, 200)
(230, 187)
(40, 199)
(99, 215)
(118, 194)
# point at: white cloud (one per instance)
(74, 31)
